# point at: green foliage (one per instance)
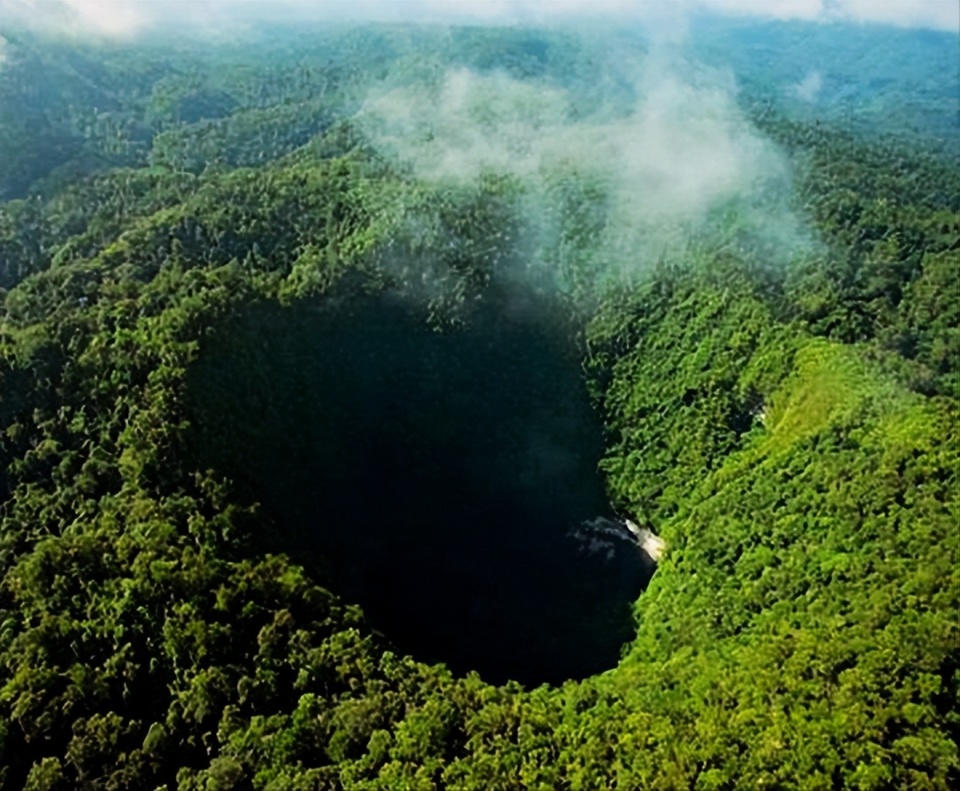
(792, 434)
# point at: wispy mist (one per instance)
(611, 190)
(809, 87)
(125, 18)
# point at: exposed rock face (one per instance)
(620, 545)
(648, 541)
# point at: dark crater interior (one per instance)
(433, 477)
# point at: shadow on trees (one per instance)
(430, 476)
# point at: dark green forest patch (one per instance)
(437, 473)
(281, 433)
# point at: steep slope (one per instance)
(790, 431)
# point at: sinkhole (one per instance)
(442, 479)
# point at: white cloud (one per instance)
(683, 154)
(777, 9)
(939, 14)
(119, 18)
(808, 88)
(936, 14)
(111, 17)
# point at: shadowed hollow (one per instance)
(430, 476)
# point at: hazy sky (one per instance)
(126, 17)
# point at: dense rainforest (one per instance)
(323, 352)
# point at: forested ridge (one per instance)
(232, 324)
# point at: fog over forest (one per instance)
(479, 395)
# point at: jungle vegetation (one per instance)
(292, 437)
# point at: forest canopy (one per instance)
(335, 359)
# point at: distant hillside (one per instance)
(321, 355)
